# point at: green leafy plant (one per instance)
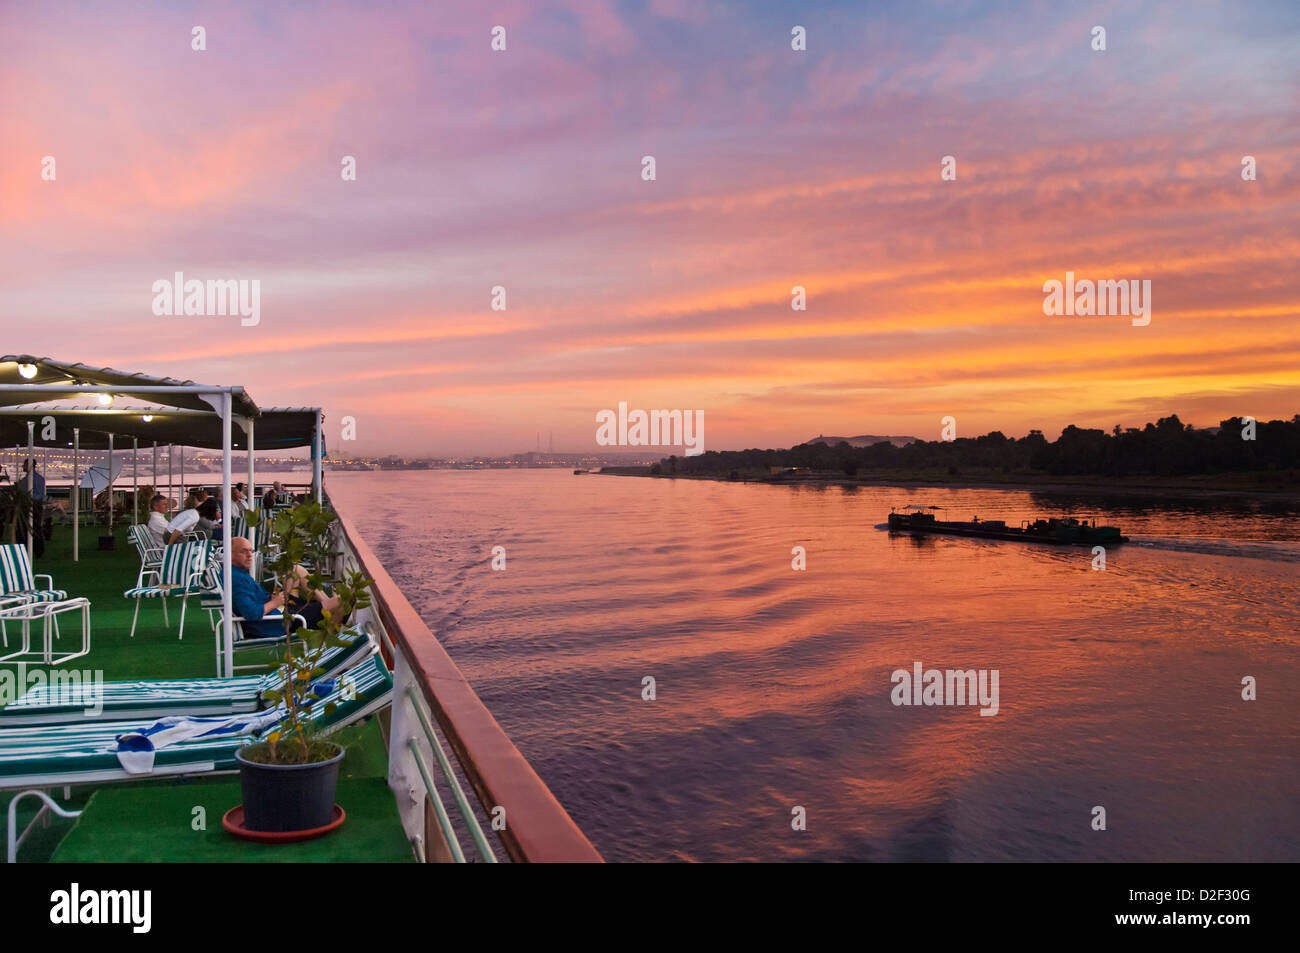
(15, 508)
(297, 536)
(143, 498)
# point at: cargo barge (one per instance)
(1066, 531)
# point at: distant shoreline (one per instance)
(1166, 488)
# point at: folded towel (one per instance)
(136, 749)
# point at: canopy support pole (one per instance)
(316, 460)
(76, 494)
(227, 583)
(171, 452)
(135, 479)
(252, 490)
(110, 485)
(31, 486)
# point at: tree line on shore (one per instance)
(1166, 448)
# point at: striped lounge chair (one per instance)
(18, 583)
(57, 704)
(239, 527)
(150, 552)
(211, 600)
(179, 574)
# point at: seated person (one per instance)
(157, 524)
(250, 601)
(183, 522)
(238, 502)
(209, 516)
(269, 499)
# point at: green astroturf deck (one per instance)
(156, 821)
(117, 826)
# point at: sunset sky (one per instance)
(775, 168)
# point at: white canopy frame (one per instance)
(220, 398)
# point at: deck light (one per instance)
(27, 370)
(147, 418)
(105, 399)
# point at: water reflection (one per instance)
(1119, 687)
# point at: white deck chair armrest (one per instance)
(271, 617)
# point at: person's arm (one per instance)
(275, 604)
(247, 600)
(176, 534)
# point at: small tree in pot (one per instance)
(290, 777)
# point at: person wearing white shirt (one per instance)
(182, 523)
(157, 524)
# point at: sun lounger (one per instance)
(62, 702)
(36, 758)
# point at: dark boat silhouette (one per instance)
(1066, 531)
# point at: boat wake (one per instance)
(1207, 545)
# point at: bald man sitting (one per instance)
(252, 603)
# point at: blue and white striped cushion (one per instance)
(45, 595)
(153, 592)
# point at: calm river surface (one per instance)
(1119, 688)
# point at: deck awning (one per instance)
(179, 417)
(278, 429)
(26, 369)
(179, 412)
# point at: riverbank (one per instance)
(1277, 487)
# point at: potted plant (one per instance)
(288, 780)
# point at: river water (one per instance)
(1118, 689)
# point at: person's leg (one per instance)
(308, 609)
(301, 588)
